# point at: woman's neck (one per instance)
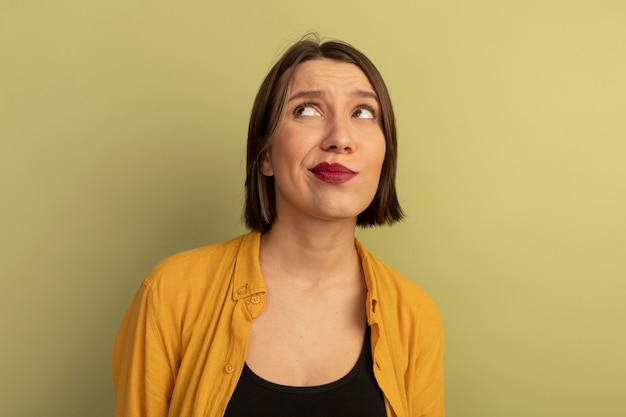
(312, 255)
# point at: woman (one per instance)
(295, 318)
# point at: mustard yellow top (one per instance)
(182, 344)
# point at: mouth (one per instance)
(333, 173)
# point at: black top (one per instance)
(355, 395)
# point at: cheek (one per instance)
(379, 152)
(279, 157)
(378, 159)
(383, 152)
(290, 151)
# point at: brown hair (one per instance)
(260, 205)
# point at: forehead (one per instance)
(327, 74)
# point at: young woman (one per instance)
(294, 318)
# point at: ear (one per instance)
(266, 165)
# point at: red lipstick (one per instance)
(334, 173)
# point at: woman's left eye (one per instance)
(364, 113)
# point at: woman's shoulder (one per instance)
(393, 286)
(390, 279)
(198, 264)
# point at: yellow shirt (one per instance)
(182, 344)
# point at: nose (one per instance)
(339, 136)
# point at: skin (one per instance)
(311, 331)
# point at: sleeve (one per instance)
(143, 372)
(428, 395)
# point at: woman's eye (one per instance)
(305, 110)
(364, 113)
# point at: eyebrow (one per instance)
(319, 93)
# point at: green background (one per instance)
(123, 125)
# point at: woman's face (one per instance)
(328, 150)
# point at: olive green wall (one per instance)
(122, 128)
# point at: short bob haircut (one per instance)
(260, 204)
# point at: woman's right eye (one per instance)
(306, 110)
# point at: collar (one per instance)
(247, 278)
(370, 283)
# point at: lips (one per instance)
(333, 173)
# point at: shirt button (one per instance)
(229, 369)
(255, 299)
(243, 289)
